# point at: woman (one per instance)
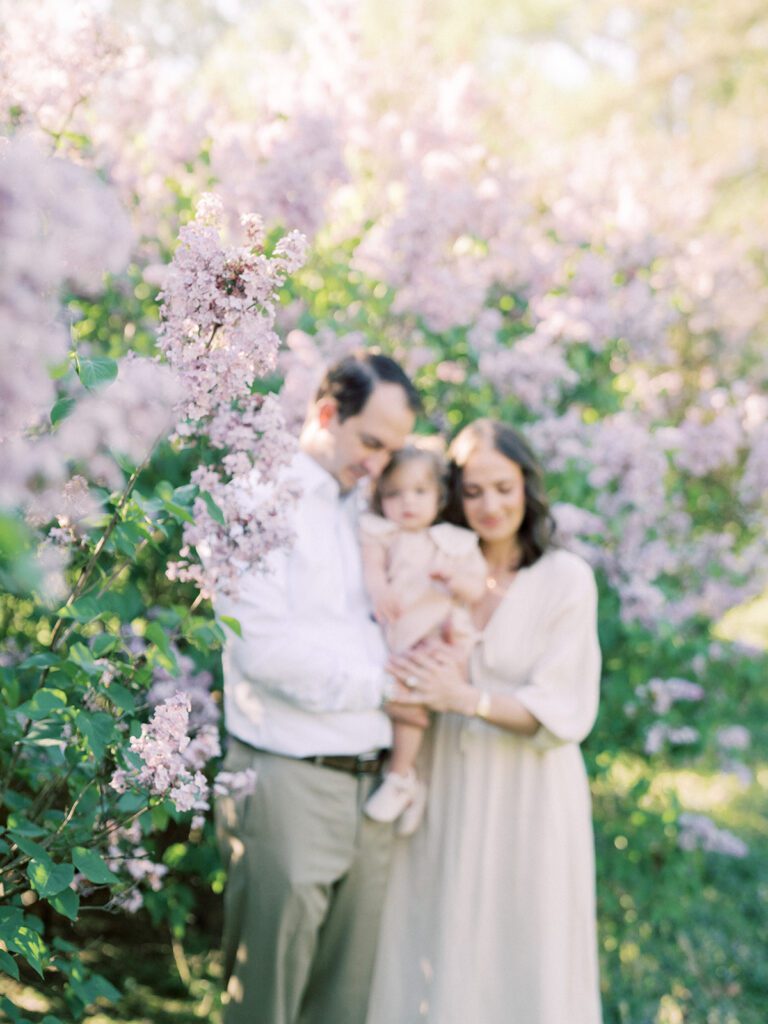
(490, 915)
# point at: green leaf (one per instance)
(82, 657)
(121, 697)
(29, 847)
(44, 703)
(185, 494)
(233, 624)
(61, 409)
(127, 537)
(96, 372)
(49, 878)
(88, 990)
(28, 944)
(178, 512)
(157, 635)
(9, 965)
(98, 729)
(85, 610)
(22, 832)
(42, 660)
(67, 903)
(103, 644)
(14, 537)
(126, 603)
(215, 512)
(92, 865)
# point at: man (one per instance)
(303, 688)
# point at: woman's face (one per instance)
(493, 491)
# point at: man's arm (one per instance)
(317, 663)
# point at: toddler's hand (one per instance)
(386, 608)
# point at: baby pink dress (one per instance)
(410, 557)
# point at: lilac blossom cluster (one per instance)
(666, 692)
(62, 225)
(219, 307)
(699, 832)
(660, 734)
(587, 240)
(166, 766)
(59, 224)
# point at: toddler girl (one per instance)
(420, 577)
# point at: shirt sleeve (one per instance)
(562, 691)
(315, 664)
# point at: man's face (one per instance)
(362, 444)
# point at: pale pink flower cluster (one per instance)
(59, 224)
(163, 767)
(753, 486)
(733, 737)
(258, 518)
(702, 446)
(534, 369)
(666, 692)
(51, 60)
(676, 736)
(125, 854)
(218, 312)
(287, 168)
(126, 418)
(574, 525)
(195, 683)
(219, 307)
(699, 832)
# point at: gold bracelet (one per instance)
(483, 706)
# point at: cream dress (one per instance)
(490, 912)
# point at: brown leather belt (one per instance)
(361, 764)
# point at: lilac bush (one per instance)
(251, 230)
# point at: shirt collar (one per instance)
(317, 480)
(314, 478)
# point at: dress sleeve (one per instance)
(562, 691)
(459, 553)
(376, 529)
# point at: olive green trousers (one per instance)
(306, 878)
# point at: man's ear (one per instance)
(325, 410)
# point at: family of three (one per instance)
(418, 845)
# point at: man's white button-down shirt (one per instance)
(307, 677)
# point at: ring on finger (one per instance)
(411, 682)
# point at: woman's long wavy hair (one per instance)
(537, 530)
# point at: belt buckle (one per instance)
(363, 761)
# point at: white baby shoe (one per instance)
(399, 796)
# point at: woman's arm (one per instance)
(436, 679)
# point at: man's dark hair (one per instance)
(352, 380)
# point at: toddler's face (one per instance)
(410, 495)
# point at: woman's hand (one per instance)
(434, 677)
